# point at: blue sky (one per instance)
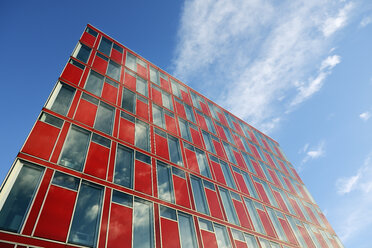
(298, 70)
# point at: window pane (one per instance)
(165, 188)
(17, 195)
(222, 237)
(185, 132)
(141, 86)
(84, 227)
(143, 232)
(129, 98)
(168, 212)
(202, 162)
(199, 197)
(122, 198)
(94, 83)
(105, 46)
(174, 150)
(167, 101)
(208, 142)
(113, 70)
(66, 181)
(254, 216)
(131, 62)
(187, 231)
(124, 167)
(61, 99)
(157, 114)
(250, 240)
(82, 52)
(189, 113)
(52, 120)
(104, 119)
(227, 174)
(228, 206)
(154, 76)
(142, 135)
(75, 148)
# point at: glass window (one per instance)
(17, 194)
(249, 184)
(165, 188)
(278, 228)
(105, 118)
(208, 142)
(168, 212)
(187, 231)
(167, 100)
(154, 76)
(124, 167)
(143, 230)
(85, 222)
(129, 99)
(228, 206)
(131, 62)
(185, 131)
(203, 163)
(52, 120)
(61, 98)
(75, 148)
(254, 215)
(91, 31)
(227, 174)
(105, 46)
(142, 135)
(113, 70)
(158, 116)
(122, 198)
(66, 181)
(176, 88)
(250, 240)
(209, 124)
(199, 196)
(229, 153)
(94, 83)
(174, 150)
(82, 52)
(206, 225)
(221, 236)
(141, 86)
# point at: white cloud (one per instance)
(365, 21)
(365, 116)
(313, 152)
(247, 54)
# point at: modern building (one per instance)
(125, 155)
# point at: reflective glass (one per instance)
(199, 197)
(228, 206)
(105, 118)
(131, 62)
(61, 99)
(128, 102)
(142, 135)
(165, 188)
(174, 150)
(94, 83)
(64, 180)
(141, 86)
(122, 198)
(221, 236)
(143, 231)
(187, 231)
(82, 52)
(105, 46)
(124, 167)
(203, 163)
(189, 113)
(113, 70)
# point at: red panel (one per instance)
(100, 64)
(218, 148)
(239, 159)
(240, 244)
(61, 140)
(288, 231)
(180, 192)
(109, 93)
(170, 236)
(126, 131)
(274, 177)
(214, 205)
(161, 147)
(185, 97)
(192, 162)
(334, 243)
(201, 121)
(321, 240)
(242, 215)
(164, 84)
(105, 218)
(209, 239)
(221, 132)
(241, 183)
(142, 71)
(303, 192)
(142, 110)
(290, 186)
(196, 139)
(116, 55)
(312, 216)
(218, 172)
(238, 142)
(41, 141)
(262, 193)
(170, 124)
(258, 169)
(297, 208)
(156, 96)
(269, 159)
(180, 110)
(222, 119)
(280, 200)
(296, 174)
(120, 227)
(142, 177)
(253, 138)
(88, 39)
(255, 152)
(266, 223)
(72, 73)
(86, 112)
(306, 237)
(283, 167)
(279, 153)
(204, 108)
(238, 128)
(56, 215)
(130, 81)
(266, 145)
(6, 245)
(97, 160)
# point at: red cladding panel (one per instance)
(321, 240)
(41, 141)
(180, 192)
(142, 71)
(142, 110)
(221, 132)
(241, 183)
(222, 119)
(209, 239)
(255, 152)
(243, 218)
(72, 74)
(262, 193)
(283, 167)
(280, 200)
(253, 138)
(142, 177)
(196, 137)
(126, 131)
(170, 236)
(274, 177)
(100, 65)
(161, 147)
(238, 142)
(164, 84)
(290, 186)
(297, 209)
(88, 39)
(239, 160)
(56, 215)
(6, 245)
(218, 172)
(258, 169)
(240, 244)
(97, 160)
(270, 160)
(288, 231)
(201, 121)
(60, 142)
(180, 110)
(86, 112)
(266, 145)
(120, 227)
(312, 216)
(306, 237)
(266, 223)
(130, 81)
(204, 108)
(185, 97)
(116, 55)
(218, 148)
(192, 162)
(214, 205)
(109, 93)
(156, 96)
(303, 192)
(170, 123)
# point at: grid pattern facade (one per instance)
(125, 155)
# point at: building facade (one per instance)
(125, 155)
